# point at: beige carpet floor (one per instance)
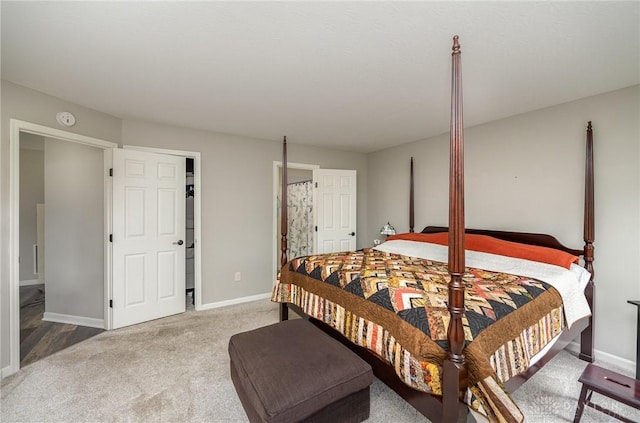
(176, 369)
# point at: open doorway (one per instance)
(299, 210)
(61, 303)
(190, 235)
(332, 210)
(102, 218)
(41, 334)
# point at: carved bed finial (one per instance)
(456, 45)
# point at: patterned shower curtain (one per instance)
(300, 213)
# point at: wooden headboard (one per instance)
(542, 240)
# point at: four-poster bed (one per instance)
(405, 312)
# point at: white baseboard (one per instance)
(225, 303)
(604, 357)
(30, 282)
(6, 371)
(73, 320)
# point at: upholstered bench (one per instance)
(294, 372)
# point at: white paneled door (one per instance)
(335, 204)
(148, 236)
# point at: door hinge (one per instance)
(111, 172)
(110, 303)
(316, 229)
(316, 185)
(110, 237)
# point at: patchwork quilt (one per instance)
(396, 306)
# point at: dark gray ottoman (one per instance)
(293, 372)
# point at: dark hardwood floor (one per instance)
(39, 339)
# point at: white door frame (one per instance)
(15, 127)
(197, 213)
(277, 165)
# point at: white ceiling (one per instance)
(359, 76)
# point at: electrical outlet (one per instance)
(238, 276)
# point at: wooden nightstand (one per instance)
(610, 384)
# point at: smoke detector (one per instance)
(66, 118)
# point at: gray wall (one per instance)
(31, 193)
(31, 106)
(74, 229)
(539, 188)
(237, 203)
(527, 173)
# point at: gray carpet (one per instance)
(177, 370)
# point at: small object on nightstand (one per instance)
(387, 230)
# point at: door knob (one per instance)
(179, 242)
(352, 233)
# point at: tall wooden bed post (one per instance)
(455, 368)
(586, 337)
(411, 202)
(284, 223)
